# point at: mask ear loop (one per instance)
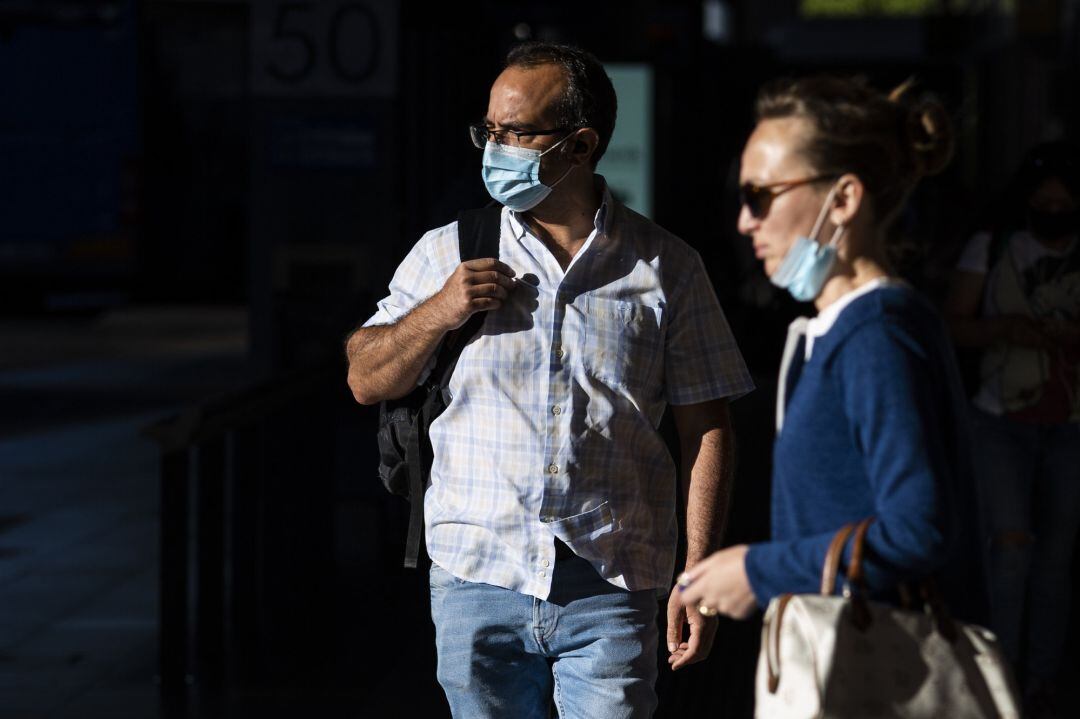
(569, 169)
(836, 235)
(821, 216)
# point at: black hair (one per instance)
(588, 100)
(1058, 159)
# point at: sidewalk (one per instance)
(79, 499)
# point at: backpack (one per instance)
(405, 453)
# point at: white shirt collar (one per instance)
(818, 326)
(601, 221)
(812, 328)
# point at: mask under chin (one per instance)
(805, 268)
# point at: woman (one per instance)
(870, 407)
(1015, 299)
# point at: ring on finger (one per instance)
(705, 610)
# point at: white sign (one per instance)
(628, 163)
(324, 48)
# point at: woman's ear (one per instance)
(848, 200)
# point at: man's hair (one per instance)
(588, 100)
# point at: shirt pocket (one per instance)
(584, 527)
(623, 341)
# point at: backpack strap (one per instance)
(478, 237)
(417, 480)
(478, 232)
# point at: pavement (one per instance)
(79, 486)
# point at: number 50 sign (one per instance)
(326, 48)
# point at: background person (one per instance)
(1015, 300)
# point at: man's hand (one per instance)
(475, 286)
(720, 583)
(702, 632)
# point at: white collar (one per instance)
(811, 328)
(818, 326)
(601, 220)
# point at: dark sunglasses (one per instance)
(759, 198)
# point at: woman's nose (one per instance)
(747, 223)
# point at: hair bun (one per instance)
(928, 131)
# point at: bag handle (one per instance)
(828, 583)
(832, 558)
(860, 609)
(772, 644)
(928, 591)
(856, 578)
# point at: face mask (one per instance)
(1052, 225)
(512, 175)
(807, 264)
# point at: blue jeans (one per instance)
(1029, 485)
(591, 646)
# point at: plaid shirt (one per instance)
(551, 431)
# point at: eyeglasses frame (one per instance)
(749, 188)
(479, 129)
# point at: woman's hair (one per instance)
(888, 141)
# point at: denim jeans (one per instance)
(591, 646)
(1029, 485)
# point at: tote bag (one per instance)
(847, 657)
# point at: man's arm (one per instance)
(707, 443)
(385, 361)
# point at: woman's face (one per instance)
(771, 156)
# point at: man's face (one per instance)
(524, 99)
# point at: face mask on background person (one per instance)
(1053, 225)
(807, 264)
(512, 175)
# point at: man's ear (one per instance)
(848, 200)
(581, 146)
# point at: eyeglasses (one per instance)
(480, 133)
(759, 198)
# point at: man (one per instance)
(550, 517)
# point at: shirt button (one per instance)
(541, 574)
(556, 410)
(560, 353)
(546, 563)
(553, 468)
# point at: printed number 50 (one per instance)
(290, 27)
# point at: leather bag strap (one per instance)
(772, 644)
(855, 575)
(832, 558)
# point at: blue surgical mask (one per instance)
(512, 175)
(808, 264)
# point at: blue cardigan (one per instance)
(875, 424)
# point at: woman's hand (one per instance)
(719, 584)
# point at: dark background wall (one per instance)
(270, 162)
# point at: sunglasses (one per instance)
(759, 198)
